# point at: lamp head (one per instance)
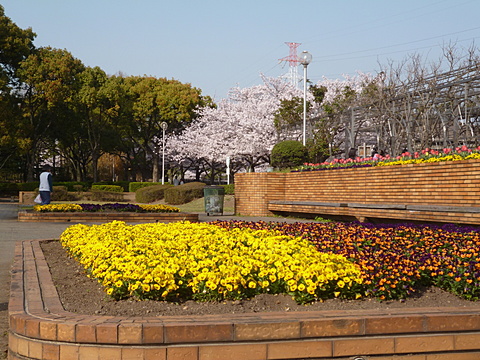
(305, 58)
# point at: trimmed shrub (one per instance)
(182, 194)
(229, 189)
(101, 195)
(60, 193)
(288, 153)
(78, 188)
(73, 185)
(28, 186)
(149, 194)
(134, 186)
(110, 188)
(124, 184)
(8, 189)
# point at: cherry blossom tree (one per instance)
(240, 127)
(245, 127)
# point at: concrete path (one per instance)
(12, 231)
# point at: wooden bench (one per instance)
(376, 211)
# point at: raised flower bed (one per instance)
(388, 259)
(105, 212)
(406, 158)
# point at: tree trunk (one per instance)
(155, 167)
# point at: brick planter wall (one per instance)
(441, 188)
(41, 329)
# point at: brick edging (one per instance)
(41, 329)
(33, 216)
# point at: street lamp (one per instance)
(164, 126)
(305, 58)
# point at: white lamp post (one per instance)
(305, 58)
(164, 126)
(228, 169)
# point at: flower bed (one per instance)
(207, 262)
(424, 156)
(309, 261)
(106, 212)
(105, 207)
(396, 260)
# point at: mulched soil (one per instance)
(82, 295)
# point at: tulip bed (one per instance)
(396, 260)
(424, 156)
(105, 207)
(208, 262)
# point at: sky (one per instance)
(216, 45)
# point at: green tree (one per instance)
(290, 116)
(288, 153)
(50, 81)
(16, 44)
(157, 100)
(96, 112)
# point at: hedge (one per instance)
(134, 186)
(229, 189)
(110, 188)
(124, 184)
(185, 193)
(150, 194)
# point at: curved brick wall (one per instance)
(443, 191)
(41, 329)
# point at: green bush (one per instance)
(8, 189)
(124, 184)
(229, 189)
(182, 194)
(110, 188)
(70, 185)
(78, 188)
(149, 194)
(28, 186)
(101, 195)
(60, 193)
(73, 185)
(288, 153)
(134, 186)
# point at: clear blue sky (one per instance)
(218, 44)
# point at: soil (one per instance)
(82, 295)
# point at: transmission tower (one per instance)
(292, 59)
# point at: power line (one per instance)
(396, 45)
